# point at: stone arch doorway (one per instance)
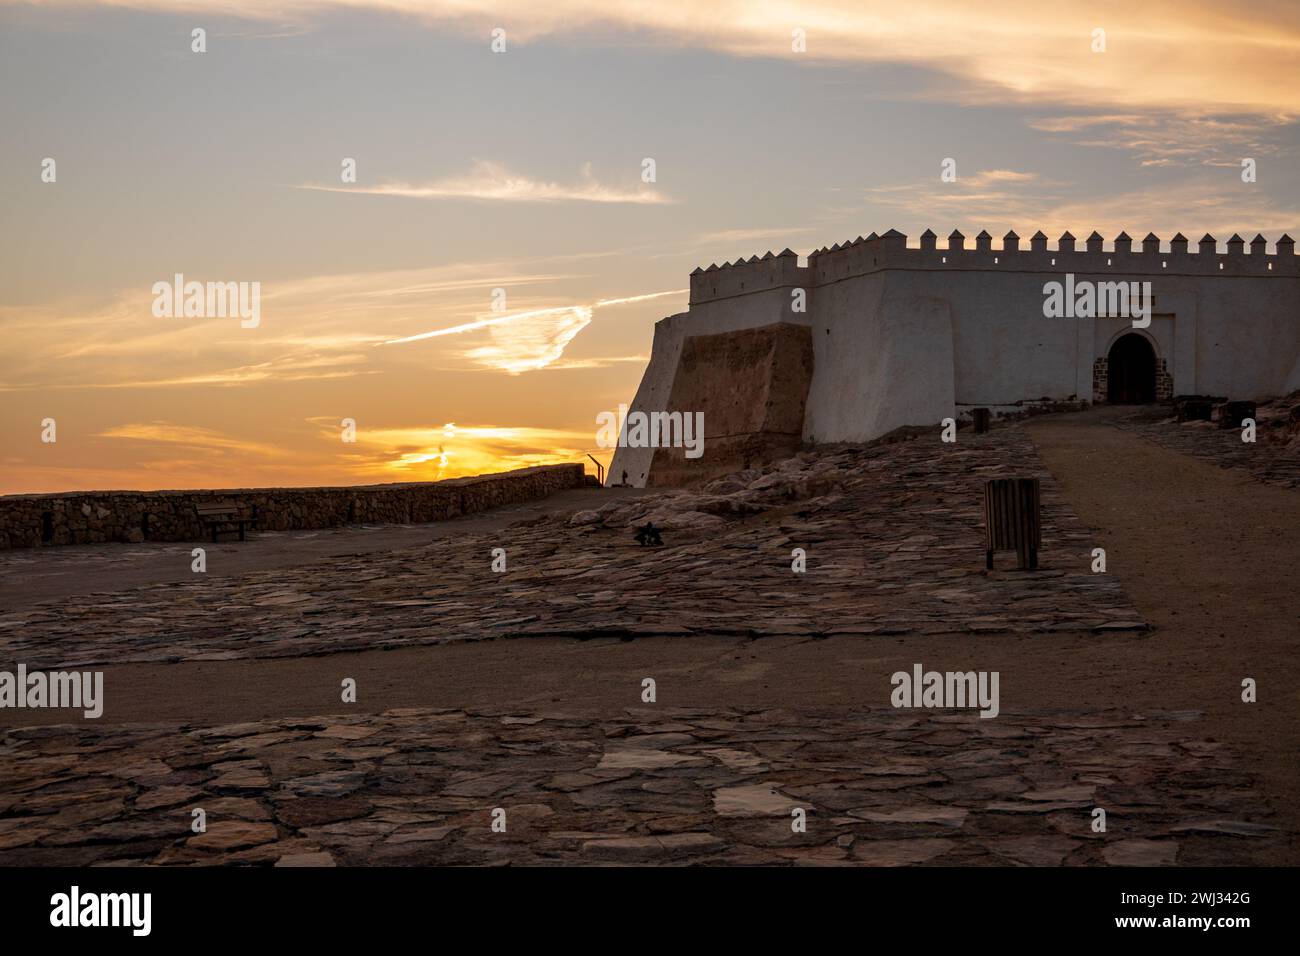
(1131, 371)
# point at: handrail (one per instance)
(600, 470)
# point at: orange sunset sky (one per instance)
(521, 171)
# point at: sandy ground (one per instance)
(1207, 555)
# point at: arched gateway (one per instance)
(1131, 371)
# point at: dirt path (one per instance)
(1208, 556)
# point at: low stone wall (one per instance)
(30, 521)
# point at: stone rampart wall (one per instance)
(29, 521)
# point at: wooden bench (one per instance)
(219, 513)
(1012, 519)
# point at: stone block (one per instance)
(752, 387)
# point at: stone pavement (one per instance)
(894, 544)
(657, 785)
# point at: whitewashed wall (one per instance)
(908, 336)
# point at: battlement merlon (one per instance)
(744, 276)
(890, 251)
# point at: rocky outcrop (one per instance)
(1198, 429)
(29, 521)
(805, 476)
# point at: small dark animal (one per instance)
(648, 535)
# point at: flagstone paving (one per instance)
(894, 547)
(657, 785)
(893, 537)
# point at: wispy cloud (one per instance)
(530, 340)
(482, 322)
(1173, 138)
(632, 299)
(290, 368)
(604, 361)
(1072, 124)
(729, 237)
(493, 182)
(995, 195)
(532, 344)
(1192, 205)
(1196, 55)
(989, 177)
(190, 436)
(314, 328)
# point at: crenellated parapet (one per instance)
(746, 276)
(891, 251)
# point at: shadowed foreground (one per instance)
(418, 786)
(773, 688)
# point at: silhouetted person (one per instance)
(648, 535)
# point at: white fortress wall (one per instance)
(883, 358)
(1222, 323)
(651, 394)
(1248, 338)
(1004, 350)
(909, 336)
